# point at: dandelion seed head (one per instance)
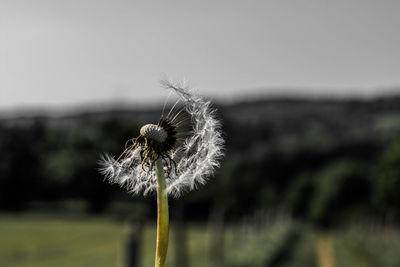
(188, 163)
(154, 132)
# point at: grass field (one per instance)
(40, 240)
(33, 240)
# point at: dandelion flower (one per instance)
(189, 162)
(166, 160)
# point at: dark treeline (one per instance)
(323, 161)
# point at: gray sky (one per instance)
(62, 53)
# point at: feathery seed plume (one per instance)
(188, 162)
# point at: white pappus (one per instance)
(188, 161)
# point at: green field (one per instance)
(30, 240)
(54, 240)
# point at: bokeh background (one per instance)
(308, 93)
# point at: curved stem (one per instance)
(162, 216)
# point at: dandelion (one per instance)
(168, 160)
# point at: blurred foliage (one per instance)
(365, 247)
(386, 181)
(341, 189)
(325, 162)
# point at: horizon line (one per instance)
(54, 110)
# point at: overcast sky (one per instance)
(63, 53)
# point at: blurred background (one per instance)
(308, 93)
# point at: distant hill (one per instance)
(270, 145)
(279, 119)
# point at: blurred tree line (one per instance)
(323, 161)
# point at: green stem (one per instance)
(162, 216)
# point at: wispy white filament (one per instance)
(196, 159)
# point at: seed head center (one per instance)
(154, 132)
